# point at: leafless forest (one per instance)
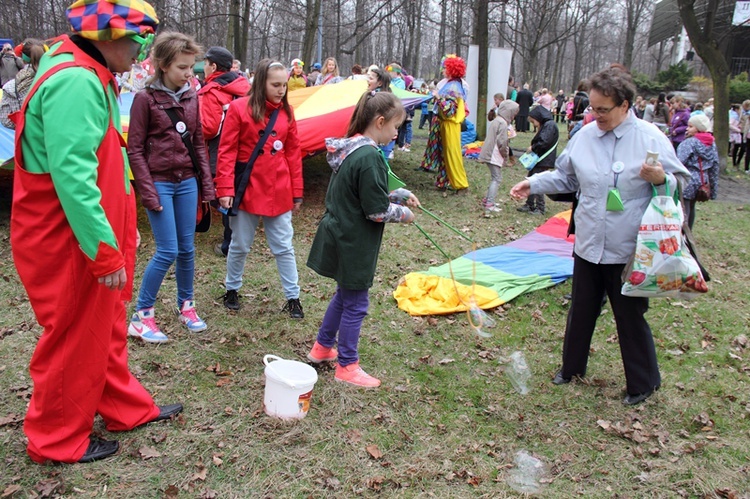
(555, 43)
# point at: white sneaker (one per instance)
(143, 326)
(390, 155)
(189, 317)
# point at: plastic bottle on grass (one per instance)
(527, 475)
(519, 372)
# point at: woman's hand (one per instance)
(521, 190)
(297, 206)
(226, 202)
(137, 238)
(653, 173)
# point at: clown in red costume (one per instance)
(73, 234)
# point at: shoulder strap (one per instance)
(185, 136)
(245, 178)
(548, 152)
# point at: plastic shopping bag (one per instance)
(662, 264)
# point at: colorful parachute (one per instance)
(492, 276)
(321, 112)
(324, 111)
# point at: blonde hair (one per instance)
(168, 46)
(324, 69)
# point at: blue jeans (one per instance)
(174, 234)
(279, 233)
(344, 316)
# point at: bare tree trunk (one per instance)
(359, 21)
(311, 27)
(705, 43)
(441, 35)
(481, 38)
(458, 5)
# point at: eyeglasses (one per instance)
(145, 43)
(603, 111)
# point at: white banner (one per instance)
(497, 77)
(741, 13)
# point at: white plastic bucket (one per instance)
(289, 386)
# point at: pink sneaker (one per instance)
(319, 354)
(189, 317)
(355, 375)
(143, 326)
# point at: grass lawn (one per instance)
(446, 421)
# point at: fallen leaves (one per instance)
(147, 452)
(374, 451)
(10, 419)
(10, 490)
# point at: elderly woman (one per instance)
(698, 152)
(601, 162)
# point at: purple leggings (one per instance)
(344, 316)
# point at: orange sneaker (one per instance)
(319, 354)
(355, 375)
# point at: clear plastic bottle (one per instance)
(519, 372)
(527, 475)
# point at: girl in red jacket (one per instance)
(274, 188)
(167, 179)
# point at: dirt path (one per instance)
(734, 187)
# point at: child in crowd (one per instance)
(544, 144)
(380, 81)
(329, 73)
(297, 78)
(168, 178)
(495, 150)
(273, 189)
(348, 239)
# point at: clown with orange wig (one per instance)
(443, 153)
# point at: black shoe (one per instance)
(537, 211)
(524, 209)
(559, 380)
(99, 449)
(219, 251)
(568, 296)
(637, 399)
(167, 412)
(232, 300)
(294, 307)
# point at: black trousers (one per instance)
(522, 123)
(590, 282)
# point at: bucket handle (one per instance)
(271, 357)
(266, 359)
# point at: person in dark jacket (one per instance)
(525, 100)
(545, 140)
(221, 87)
(560, 101)
(580, 103)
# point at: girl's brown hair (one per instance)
(371, 106)
(257, 102)
(168, 46)
(383, 78)
(34, 50)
